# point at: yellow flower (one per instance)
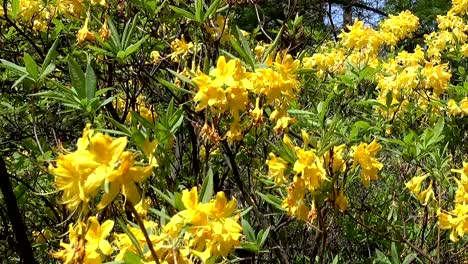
(104, 31)
(71, 172)
(124, 179)
(96, 235)
(155, 57)
(180, 48)
(425, 196)
(142, 207)
(414, 185)
(73, 252)
(338, 163)
(276, 168)
(294, 202)
(453, 108)
(341, 201)
(84, 33)
(364, 155)
(464, 106)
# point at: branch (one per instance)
(358, 5)
(19, 228)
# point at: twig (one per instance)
(143, 229)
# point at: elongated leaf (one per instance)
(50, 55)
(161, 214)
(15, 4)
(207, 189)
(168, 199)
(13, 67)
(126, 39)
(132, 48)
(119, 126)
(31, 66)
(174, 87)
(182, 12)
(264, 237)
(50, 68)
(181, 77)
(131, 236)
(77, 77)
(114, 37)
(211, 9)
(273, 45)
(248, 231)
(275, 201)
(91, 82)
(199, 10)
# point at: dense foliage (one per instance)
(167, 131)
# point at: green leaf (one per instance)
(239, 43)
(248, 231)
(168, 199)
(395, 255)
(409, 258)
(31, 66)
(50, 55)
(77, 77)
(114, 37)
(132, 48)
(50, 68)
(13, 67)
(271, 199)
(174, 87)
(181, 77)
(131, 258)
(249, 246)
(273, 45)
(264, 237)
(199, 10)
(381, 258)
(183, 12)
(91, 82)
(207, 189)
(128, 33)
(161, 214)
(211, 9)
(118, 125)
(15, 4)
(131, 236)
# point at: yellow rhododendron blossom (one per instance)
(124, 180)
(84, 33)
(453, 108)
(414, 185)
(96, 235)
(276, 168)
(181, 48)
(341, 201)
(364, 155)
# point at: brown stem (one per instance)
(19, 228)
(143, 229)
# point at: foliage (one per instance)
(157, 131)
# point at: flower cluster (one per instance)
(227, 89)
(98, 160)
(309, 175)
(201, 231)
(40, 14)
(87, 242)
(181, 48)
(460, 109)
(364, 155)
(414, 185)
(457, 219)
